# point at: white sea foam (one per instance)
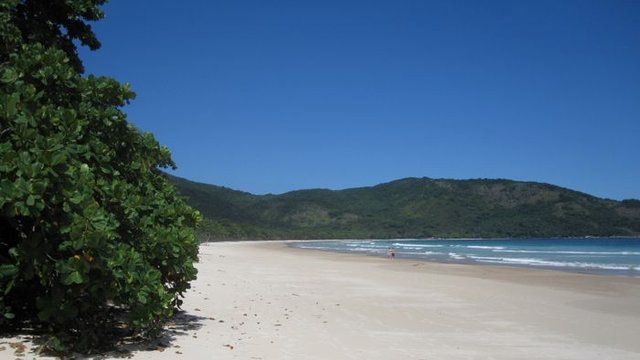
(538, 262)
(485, 247)
(568, 252)
(431, 253)
(621, 260)
(405, 245)
(312, 247)
(420, 253)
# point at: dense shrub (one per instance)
(92, 236)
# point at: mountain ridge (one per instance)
(411, 208)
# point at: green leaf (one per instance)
(142, 298)
(58, 158)
(8, 270)
(11, 105)
(9, 76)
(77, 198)
(73, 277)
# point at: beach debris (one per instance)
(160, 347)
(229, 346)
(197, 309)
(179, 352)
(18, 347)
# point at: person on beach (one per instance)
(391, 253)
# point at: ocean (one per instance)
(606, 256)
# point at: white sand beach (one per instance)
(263, 300)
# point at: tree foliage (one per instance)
(91, 233)
(411, 208)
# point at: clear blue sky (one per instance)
(273, 96)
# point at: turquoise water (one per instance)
(607, 256)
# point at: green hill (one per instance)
(411, 208)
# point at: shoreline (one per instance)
(604, 273)
(614, 270)
(499, 272)
(266, 300)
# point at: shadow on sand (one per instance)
(120, 346)
(181, 324)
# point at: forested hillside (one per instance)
(411, 208)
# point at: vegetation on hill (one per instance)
(92, 237)
(411, 208)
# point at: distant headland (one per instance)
(411, 208)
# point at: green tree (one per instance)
(92, 236)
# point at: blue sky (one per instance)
(273, 96)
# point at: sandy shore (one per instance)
(267, 301)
